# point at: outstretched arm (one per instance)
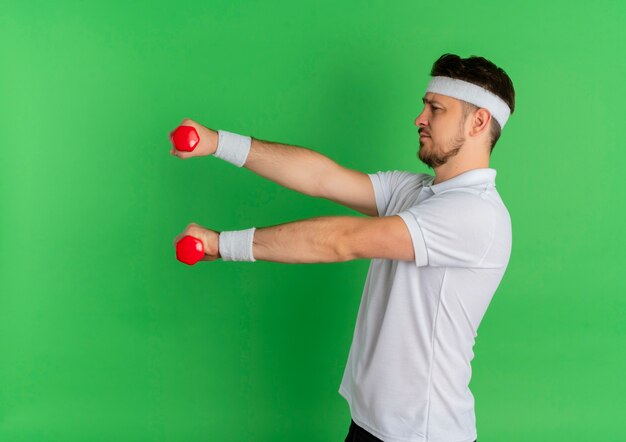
(321, 239)
(298, 168)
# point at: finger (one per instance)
(179, 236)
(179, 154)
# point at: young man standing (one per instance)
(439, 246)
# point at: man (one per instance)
(439, 247)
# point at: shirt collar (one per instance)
(473, 177)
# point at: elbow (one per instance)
(344, 247)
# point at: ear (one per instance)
(481, 121)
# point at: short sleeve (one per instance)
(452, 229)
(385, 182)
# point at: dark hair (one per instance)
(482, 72)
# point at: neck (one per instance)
(452, 169)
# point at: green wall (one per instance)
(104, 336)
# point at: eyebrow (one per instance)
(425, 100)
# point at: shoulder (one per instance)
(456, 209)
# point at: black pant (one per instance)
(358, 434)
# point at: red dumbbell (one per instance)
(189, 250)
(185, 138)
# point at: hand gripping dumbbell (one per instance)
(185, 138)
(189, 250)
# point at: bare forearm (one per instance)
(308, 241)
(296, 168)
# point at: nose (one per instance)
(422, 119)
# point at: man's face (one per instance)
(441, 129)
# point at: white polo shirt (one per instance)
(408, 371)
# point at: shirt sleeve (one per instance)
(452, 229)
(385, 182)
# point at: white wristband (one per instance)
(233, 147)
(236, 245)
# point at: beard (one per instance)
(435, 155)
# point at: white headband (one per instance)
(473, 94)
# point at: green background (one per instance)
(105, 336)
